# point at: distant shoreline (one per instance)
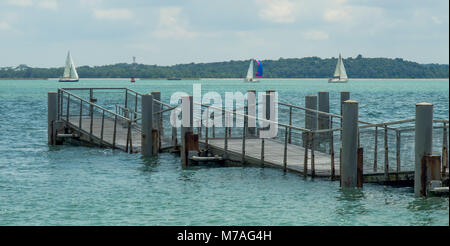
(262, 79)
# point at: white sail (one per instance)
(250, 70)
(340, 72)
(70, 70)
(337, 71)
(342, 69)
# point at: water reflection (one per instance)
(149, 164)
(424, 209)
(350, 205)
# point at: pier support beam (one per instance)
(147, 125)
(349, 174)
(157, 122)
(251, 103)
(324, 120)
(345, 95)
(310, 120)
(52, 116)
(423, 141)
(311, 117)
(187, 123)
(324, 106)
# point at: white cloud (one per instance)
(20, 3)
(278, 11)
(113, 14)
(44, 4)
(4, 26)
(436, 20)
(342, 14)
(316, 35)
(170, 26)
(48, 4)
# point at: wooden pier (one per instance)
(310, 140)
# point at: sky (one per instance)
(166, 32)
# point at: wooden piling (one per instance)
(345, 95)
(423, 142)
(147, 125)
(349, 144)
(360, 168)
(251, 104)
(324, 106)
(187, 113)
(311, 117)
(244, 134)
(52, 106)
(157, 122)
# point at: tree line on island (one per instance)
(308, 67)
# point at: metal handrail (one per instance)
(311, 110)
(256, 118)
(94, 105)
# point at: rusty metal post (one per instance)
(431, 170)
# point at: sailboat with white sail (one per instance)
(70, 72)
(340, 75)
(250, 73)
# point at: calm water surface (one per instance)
(73, 185)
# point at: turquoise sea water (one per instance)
(73, 185)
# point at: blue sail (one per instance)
(259, 72)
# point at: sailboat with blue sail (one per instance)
(250, 73)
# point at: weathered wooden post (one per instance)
(174, 131)
(310, 118)
(52, 102)
(360, 168)
(349, 144)
(423, 142)
(268, 100)
(324, 106)
(156, 123)
(345, 95)
(251, 104)
(187, 123)
(324, 120)
(147, 125)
